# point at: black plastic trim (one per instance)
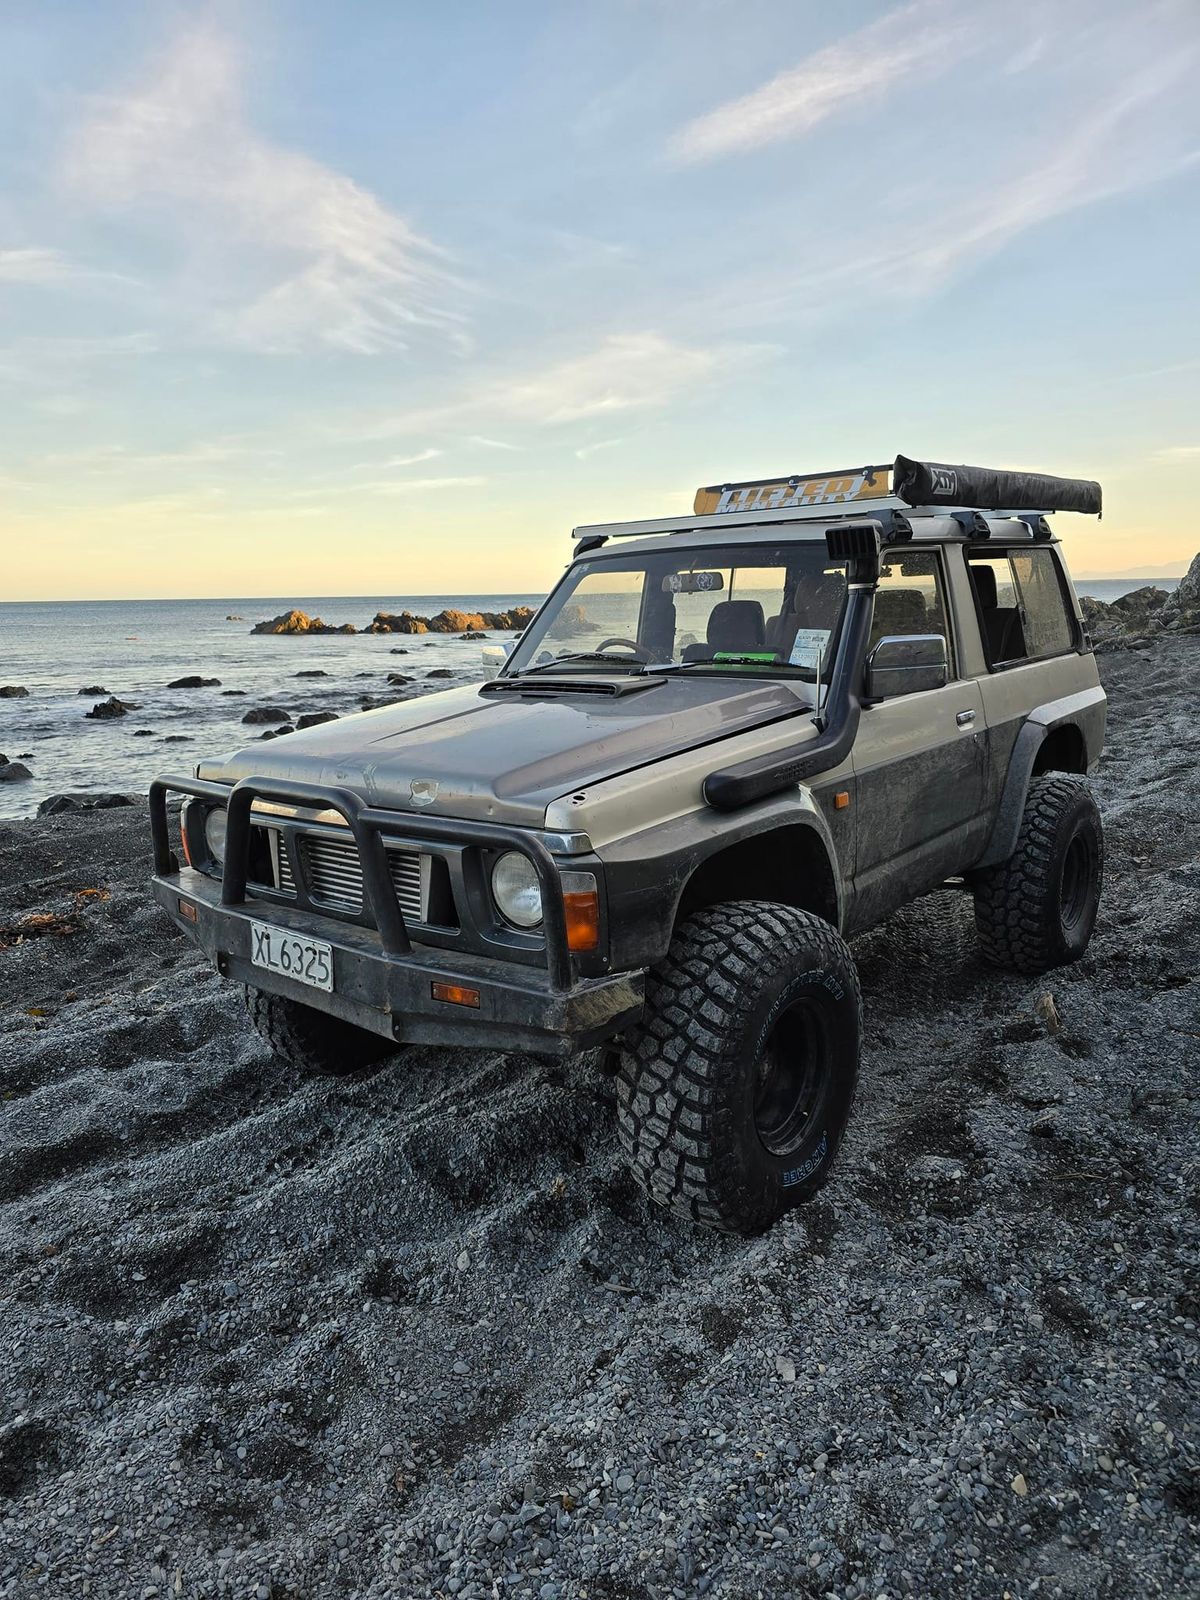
(367, 824)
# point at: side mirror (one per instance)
(906, 664)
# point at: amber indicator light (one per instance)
(188, 910)
(454, 994)
(841, 800)
(582, 913)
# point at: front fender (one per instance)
(647, 873)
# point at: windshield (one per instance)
(770, 608)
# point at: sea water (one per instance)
(133, 648)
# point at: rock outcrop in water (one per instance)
(267, 714)
(300, 622)
(451, 621)
(13, 691)
(13, 771)
(194, 681)
(106, 710)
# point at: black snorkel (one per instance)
(858, 544)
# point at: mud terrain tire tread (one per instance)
(309, 1039)
(679, 1067)
(1017, 902)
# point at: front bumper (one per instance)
(391, 994)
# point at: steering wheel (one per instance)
(639, 651)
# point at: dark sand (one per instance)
(417, 1333)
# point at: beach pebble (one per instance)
(84, 800)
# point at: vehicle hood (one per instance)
(504, 756)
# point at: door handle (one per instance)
(965, 718)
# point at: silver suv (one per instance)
(727, 742)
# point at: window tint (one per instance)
(1022, 606)
(1048, 627)
(909, 598)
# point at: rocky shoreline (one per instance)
(415, 1333)
(467, 624)
(1140, 616)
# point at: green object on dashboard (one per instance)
(734, 658)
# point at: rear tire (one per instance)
(1037, 910)
(735, 1089)
(310, 1040)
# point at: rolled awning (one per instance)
(930, 483)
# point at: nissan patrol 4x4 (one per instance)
(726, 743)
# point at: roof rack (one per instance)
(902, 491)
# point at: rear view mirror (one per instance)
(906, 664)
(693, 582)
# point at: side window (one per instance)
(910, 597)
(1022, 606)
(1049, 629)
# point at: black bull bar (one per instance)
(367, 824)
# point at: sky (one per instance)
(386, 297)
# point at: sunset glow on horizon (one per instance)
(387, 299)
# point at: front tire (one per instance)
(311, 1040)
(1037, 910)
(735, 1089)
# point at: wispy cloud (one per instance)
(33, 266)
(1132, 136)
(624, 372)
(117, 458)
(408, 461)
(869, 62)
(587, 450)
(418, 485)
(491, 444)
(1106, 151)
(1177, 454)
(295, 254)
(37, 264)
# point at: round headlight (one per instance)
(214, 834)
(516, 891)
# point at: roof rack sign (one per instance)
(780, 494)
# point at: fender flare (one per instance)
(1086, 711)
(646, 879)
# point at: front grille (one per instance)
(334, 875)
(281, 862)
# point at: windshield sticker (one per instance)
(808, 647)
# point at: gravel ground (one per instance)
(417, 1334)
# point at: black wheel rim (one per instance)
(792, 1078)
(1076, 882)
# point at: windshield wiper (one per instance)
(580, 655)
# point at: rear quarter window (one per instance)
(1049, 626)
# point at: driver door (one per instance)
(920, 760)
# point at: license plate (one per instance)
(306, 960)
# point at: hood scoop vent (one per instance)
(611, 688)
